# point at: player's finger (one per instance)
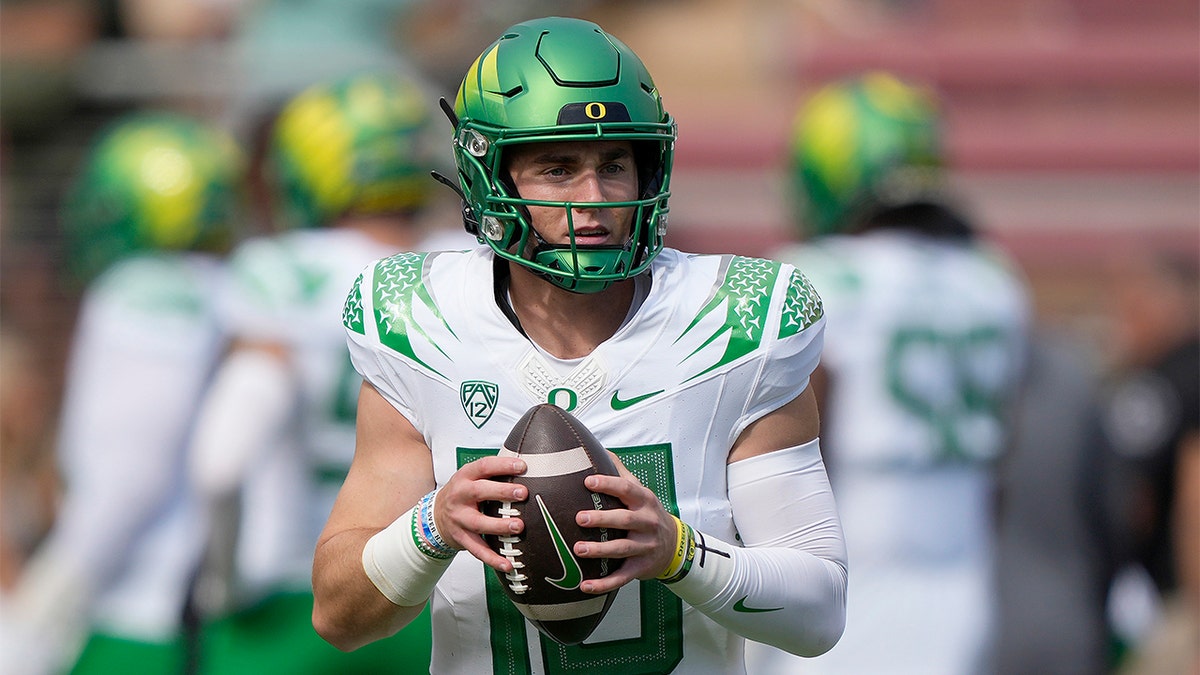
(472, 493)
(623, 547)
(477, 523)
(478, 548)
(609, 583)
(489, 467)
(630, 492)
(620, 519)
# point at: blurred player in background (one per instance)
(926, 334)
(349, 166)
(1152, 418)
(153, 206)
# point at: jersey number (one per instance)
(659, 645)
(953, 382)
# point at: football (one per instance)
(559, 453)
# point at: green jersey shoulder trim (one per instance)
(745, 293)
(801, 308)
(399, 290)
(352, 311)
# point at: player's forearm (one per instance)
(787, 588)
(348, 610)
(778, 596)
(243, 414)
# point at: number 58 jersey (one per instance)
(717, 342)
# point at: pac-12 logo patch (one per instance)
(478, 400)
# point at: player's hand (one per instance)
(457, 513)
(651, 535)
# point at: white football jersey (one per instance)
(145, 345)
(718, 342)
(924, 346)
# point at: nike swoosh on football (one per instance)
(572, 574)
(740, 606)
(618, 404)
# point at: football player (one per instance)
(149, 213)
(693, 370)
(349, 166)
(925, 339)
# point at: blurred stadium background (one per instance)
(1073, 132)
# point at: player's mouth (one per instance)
(591, 236)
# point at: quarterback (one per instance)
(692, 370)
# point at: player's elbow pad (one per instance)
(787, 587)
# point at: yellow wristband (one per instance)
(681, 549)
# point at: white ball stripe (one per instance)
(561, 463)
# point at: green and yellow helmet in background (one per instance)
(561, 79)
(862, 145)
(354, 145)
(152, 181)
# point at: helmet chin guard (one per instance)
(554, 80)
(586, 265)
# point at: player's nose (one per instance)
(589, 189)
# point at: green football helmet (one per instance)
(153, 181)
(355, 145)
(561, 79)
(862, 145)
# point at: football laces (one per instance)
(516, 580)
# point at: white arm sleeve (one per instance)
(247, 406)
(787, 588)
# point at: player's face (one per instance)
(579, 172)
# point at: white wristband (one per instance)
(395, 562)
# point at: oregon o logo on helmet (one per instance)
(595, 110)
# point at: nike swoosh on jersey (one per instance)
(572, 574)
(740, 606)
(619, 404)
